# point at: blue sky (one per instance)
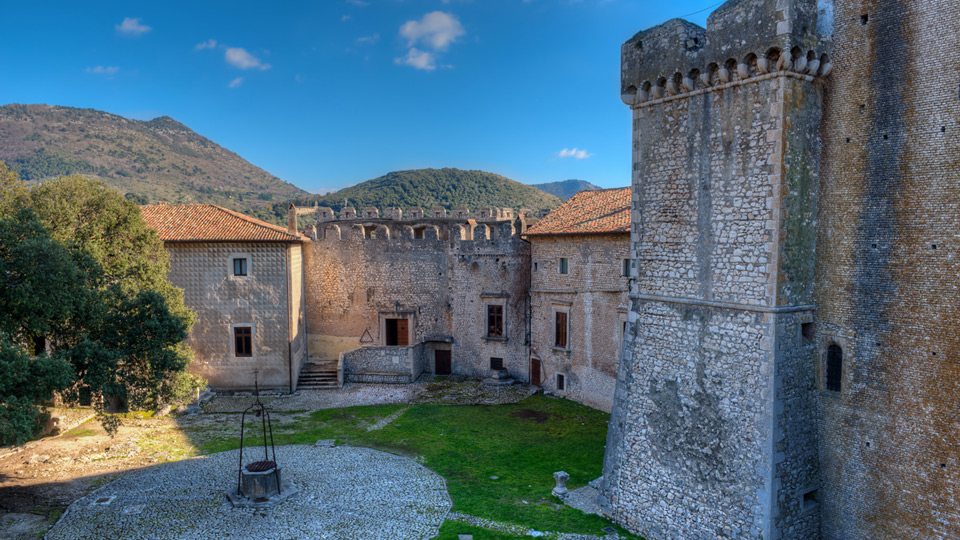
(328, 94)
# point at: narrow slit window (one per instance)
(560, 330)
(625, 272)
(563, 265)
(834, 368)
(494, 321)
(240, 266)
(243, 341)
(561, 383)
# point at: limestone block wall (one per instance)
(382, 364)
(438, 274)
(594, 293)
(262, 299)
(710, 431)
(887, 267)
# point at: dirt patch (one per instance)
(531, 414)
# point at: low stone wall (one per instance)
(398, 365)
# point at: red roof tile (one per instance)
(211, 223)
(605, 211)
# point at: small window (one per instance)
(561, 383)
(834, 368)
(418, 234)
(243, 341)
(560, 330)
(240, 266)
(811, 499)
(563, 265)
(625, 271)
(534, 267)
(808, 331)
(494, 321)
(496, 363)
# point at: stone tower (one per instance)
(713, 432)
(887, 272)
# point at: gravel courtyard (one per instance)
(344, 493)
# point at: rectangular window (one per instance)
(561, 383)
(563, 265)
(240, 267)
(496, 363)
(625, 271)
(534, 267)
(243, 341)
(560, 329)
(494, 321)
(397, 332)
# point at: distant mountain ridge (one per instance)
(433, 187)
(566, 188)
(153, 160)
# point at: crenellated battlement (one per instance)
(745, 41)
(459, 213)
(425, 230)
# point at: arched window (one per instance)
(834, 368)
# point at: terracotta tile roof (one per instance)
(211, 223)
(605, 211)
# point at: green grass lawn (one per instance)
(521, 444)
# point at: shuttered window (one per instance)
(560, 329)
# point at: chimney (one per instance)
(292, 219)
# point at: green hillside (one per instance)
(149, 161)
(434, 187)
(566, 188)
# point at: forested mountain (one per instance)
(434, 187)
(566, 188)
(149, 161)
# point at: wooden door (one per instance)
(534, 372)
(441, 362)
(403, 333)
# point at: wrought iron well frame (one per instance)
(259, 410)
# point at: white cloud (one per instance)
(345, 18)
(103, 70)
(575, 153)
(361, 3)
(436, 30)
(370, 40)
(236, 82)
(132, 27)
(208, 44)
(418, 59)
(239, 57)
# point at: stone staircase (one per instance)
(318, 375)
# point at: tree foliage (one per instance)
(82, 271)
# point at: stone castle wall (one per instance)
(887, 270)
(262, 299)
(710, 434)
(439, 273)
(594, 292)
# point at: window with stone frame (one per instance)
(560, 329)
(240, 266)
(625, 269)
(561, 382)
(495, 327)
(243, 341)
(564, 265)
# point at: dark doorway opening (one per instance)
(397, 332)
(442, 362)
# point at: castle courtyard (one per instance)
(402, 455)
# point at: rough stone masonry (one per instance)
(790, 364)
